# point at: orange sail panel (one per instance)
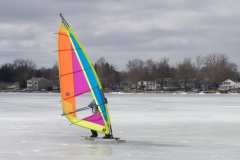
(66, 71)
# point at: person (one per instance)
(94, 107)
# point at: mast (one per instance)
(109, 125)
(64, 21)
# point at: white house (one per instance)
(148, 85)
(229, 84)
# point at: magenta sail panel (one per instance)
(80, 82)
(96, 118)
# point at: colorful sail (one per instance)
(77, 76)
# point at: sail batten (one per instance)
(74, 72)
(68, 49)
(78, 76)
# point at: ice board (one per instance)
(115, 139)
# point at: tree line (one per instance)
(212, 70)
(22, 70)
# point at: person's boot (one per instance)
(107, 136)
(94, 133)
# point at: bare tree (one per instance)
(218, 68)
(135, 64)
(199, 63)
(148, 71)
(162, 70)
(107, 73)
(24, 70)
(186, 71)
(135, 70)
(99, 67)
(149, 66)
(54, 71)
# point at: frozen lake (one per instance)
(156, 126)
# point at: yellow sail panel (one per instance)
(67, 106)
(89, 125)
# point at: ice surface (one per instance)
(156, 126)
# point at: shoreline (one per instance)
(134, 92)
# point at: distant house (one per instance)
(168, 83)
(9, 85)
(37, 84)
(191, 83)
(14, 85)
(229, 84)
(54, 85)
(126, 85)
(148, 85)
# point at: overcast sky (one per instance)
(121, 30)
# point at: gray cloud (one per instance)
(121, 30)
